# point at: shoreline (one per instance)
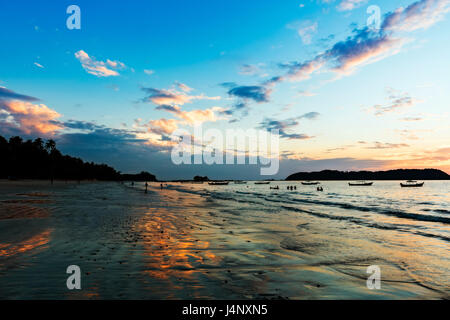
(173, 245)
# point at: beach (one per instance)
(190, 241)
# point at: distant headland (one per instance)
(398, 174)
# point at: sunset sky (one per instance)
(343, 95)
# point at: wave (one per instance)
(382, 226)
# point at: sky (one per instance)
(348, 84)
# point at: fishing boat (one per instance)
(218, 183)
(240, 182)
(275, 188)
(262, 182)
(412, 184)
(310, 183)
(360, 184)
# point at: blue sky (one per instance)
(137, 70)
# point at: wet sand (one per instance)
(173, 245)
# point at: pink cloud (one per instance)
(30, 118)
(98, 68)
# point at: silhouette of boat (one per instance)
(360, 183)
(310, 183)
(412, 184)
(219, 183)
(275, 188)
(240, 182)
(262, 182)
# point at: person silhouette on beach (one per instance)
(146, 186)
(161, 186)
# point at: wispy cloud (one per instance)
(39, 65)
(396, 101)
(172, 97)
(367, 45)
(347, 5)
(386, 145)
(194, 117)
(285, 127)
(419, 15)
(7, 94)
(99, 68)
(305, 29)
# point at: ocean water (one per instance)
(191, 241)
(404, 230)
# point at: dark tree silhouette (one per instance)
(36, 159)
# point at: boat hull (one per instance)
(417, 185)
(218, 183)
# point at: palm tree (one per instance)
(50, 146)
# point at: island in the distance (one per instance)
(398, 174)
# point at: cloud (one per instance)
(419, 15)
(149, 72)
(347, 5)
(305, 93)
(368, 45)
(249, 70)
(39, 65)
(307, 32)
(258, 94)
(163, 126)
(396, 101)
(81, 125)
(6, 94)
(380, 145)
(98, 68)
(171, 97)
(410, 119)
(28, 118)
(183, 87)
(283, 126)
(364, 47)
(299, 71)
(195, 116)
(309, 116)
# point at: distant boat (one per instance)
(275, 188)
(360, 183)
(412, 184)
(262, 182)
(310, 183)
(240, 182)
(219, 183)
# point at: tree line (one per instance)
(39, 159)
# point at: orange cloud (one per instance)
(163, 126)
(31, 118)
(98, 68)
